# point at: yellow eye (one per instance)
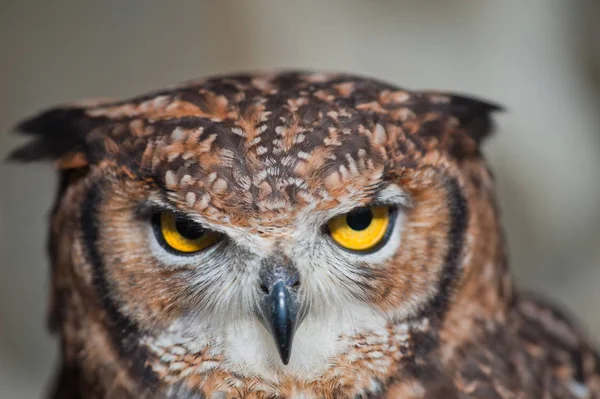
(361, 229)
(181, 234)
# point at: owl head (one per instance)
(265, 216)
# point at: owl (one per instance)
(290, 235)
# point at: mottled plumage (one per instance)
(265, 161)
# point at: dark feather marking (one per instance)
(124, 332)
(58, 309)
(459, 215)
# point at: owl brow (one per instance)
(151, 207)
(388, 195)
(391, 195)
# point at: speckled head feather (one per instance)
(282, 106)
(266, 142)
(265, 161)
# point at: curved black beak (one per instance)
(280, 308)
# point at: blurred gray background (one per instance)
(540, 58)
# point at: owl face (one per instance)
(268, 217)
(164, 260)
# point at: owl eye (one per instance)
(179, 234)
(362, 229)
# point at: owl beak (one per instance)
(280, 310)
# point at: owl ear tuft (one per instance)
(58, 135)
(459, 123)
(474, 115)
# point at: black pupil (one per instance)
(359, 219)
(188, 229)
